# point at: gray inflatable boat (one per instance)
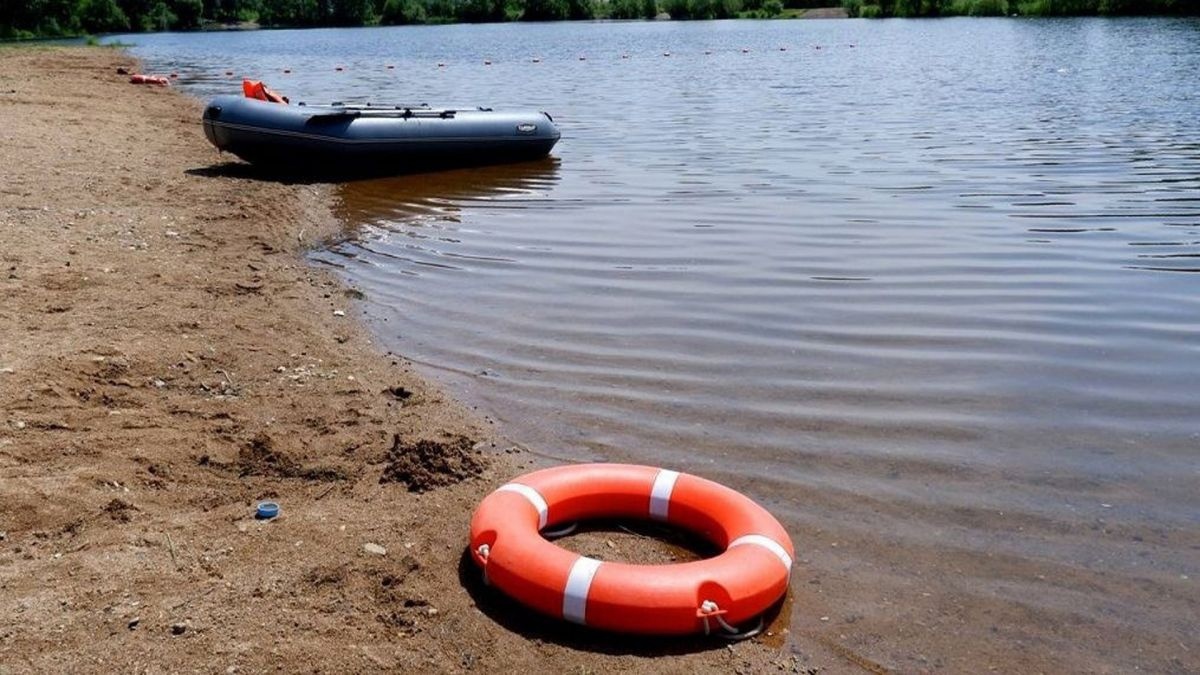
(392, 139)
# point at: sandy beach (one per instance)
(167, 359)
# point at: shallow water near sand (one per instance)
(928, 290)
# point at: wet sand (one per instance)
(167, 358)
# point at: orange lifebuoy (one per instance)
(730, 589)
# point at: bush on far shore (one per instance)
(632, 9)
(703, 9)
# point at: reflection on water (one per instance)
(437, 198)
(927, 292)
(426, 211)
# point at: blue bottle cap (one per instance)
(267, 510)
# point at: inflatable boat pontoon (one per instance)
(372, 138)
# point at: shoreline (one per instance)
(169, 358)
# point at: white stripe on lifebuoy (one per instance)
(767, 543)
(660, 494)
(534, 498)
(575, 595)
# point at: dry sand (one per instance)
(167, 359)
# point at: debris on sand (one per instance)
(119, 510)
(260, 458)
(399, 393)
(427, 464)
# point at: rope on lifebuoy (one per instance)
(484, 550)
(560, 532)
(711, 610)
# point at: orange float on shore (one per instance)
(716, 594)
(158, 80)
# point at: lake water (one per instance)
(928, 290)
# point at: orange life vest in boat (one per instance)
(258, 90)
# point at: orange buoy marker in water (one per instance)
(705, 596)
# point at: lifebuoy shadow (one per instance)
(528, 623)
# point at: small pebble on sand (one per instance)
(374, 549)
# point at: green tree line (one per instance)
(55, 18)
(52, 18)
(929, 8)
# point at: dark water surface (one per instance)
(929, 290)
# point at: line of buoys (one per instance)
(538, 59)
